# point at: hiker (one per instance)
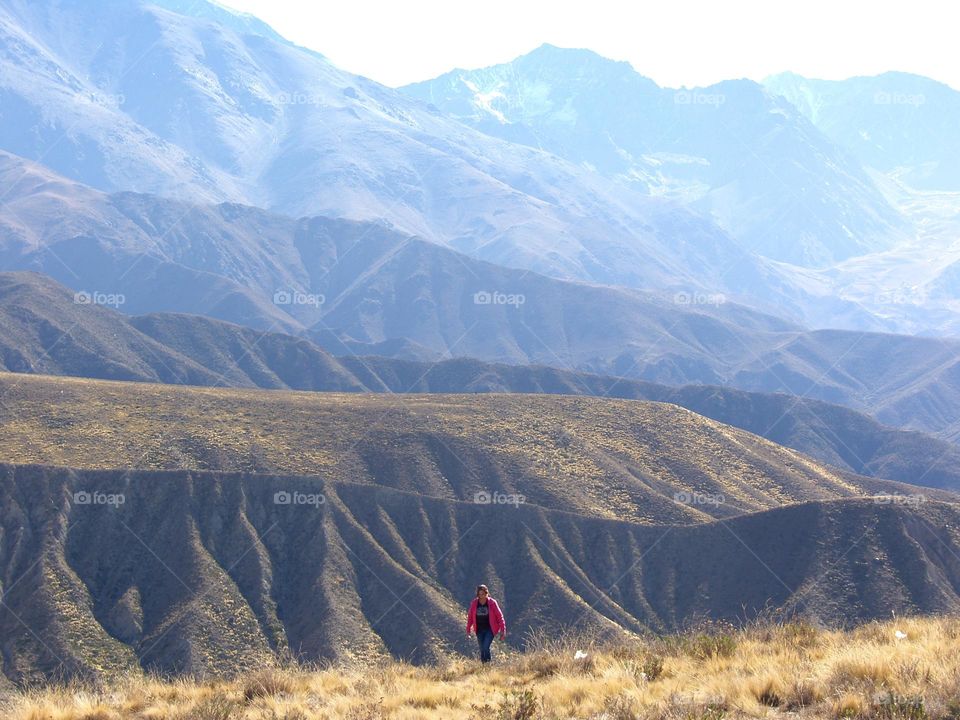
(486, 620)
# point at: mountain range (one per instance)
(195, 110)
(290, 360)
(805, 172)
(602, 176)
(43, 330)
(198, 571)
(363, 288)
(735, 150)
(897, 123)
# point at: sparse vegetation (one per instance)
(706, 647)
(765, 670)
(338, 436)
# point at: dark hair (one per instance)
(484, 588)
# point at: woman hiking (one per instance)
(486, 619)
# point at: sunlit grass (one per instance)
(791, 670)
(579, 453)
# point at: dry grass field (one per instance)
(907, 669)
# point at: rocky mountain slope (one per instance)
(208, 573)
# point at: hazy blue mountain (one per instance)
(364, 288)
(128, 96)
(766, 173)
(901, 124)
(357, 286)
(910, 288)
(240, 22)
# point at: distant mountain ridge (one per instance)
(731, 149)
(97, 342)
(385, 292)
(752, 156)
(899, 123)
(581, 169)
(60, 226)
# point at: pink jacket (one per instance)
(497, 623)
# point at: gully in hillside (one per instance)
(486, 619)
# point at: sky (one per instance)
(675, 42)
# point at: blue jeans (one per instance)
(484, 638)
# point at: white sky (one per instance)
(675, 42)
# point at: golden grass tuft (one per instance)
(267, 683)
